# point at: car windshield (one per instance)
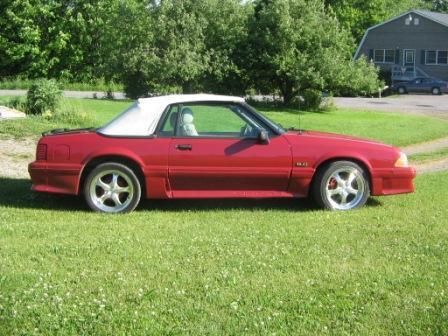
(278, 128)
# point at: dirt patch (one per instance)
(432, 166)
(15, 156)
(426, 147)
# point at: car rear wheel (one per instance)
(401, 90)
(112, 188)
(341, 185)
(435, 91)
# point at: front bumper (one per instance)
(391, 181)
(55, 178)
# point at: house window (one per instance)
(442, 57)
(389, 56)
(437, 57)
(384, 56)
(431, 57)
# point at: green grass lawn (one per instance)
(392, 128)
(100, 111)
(228, 267)
(224, 267)
(430, 156)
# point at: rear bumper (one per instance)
(55, 178)
(393, 181)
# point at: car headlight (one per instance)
(402, 161)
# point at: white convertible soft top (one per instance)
(142, 117)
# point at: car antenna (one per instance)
(300, 115)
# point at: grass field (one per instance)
(228, 267)
(392, 128)
(224, 267)
(430, 156)
(100, 111)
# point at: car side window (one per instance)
(169, 125)
(210, 120)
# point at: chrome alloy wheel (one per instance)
(111, 191)
(345, 188)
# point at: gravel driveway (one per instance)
(435, 106)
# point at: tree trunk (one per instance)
(187, 87)
(287, 93)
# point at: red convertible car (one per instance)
(208, 146)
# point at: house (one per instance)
(413, 44)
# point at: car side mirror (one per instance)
(263, 137)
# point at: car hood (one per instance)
(333, 138)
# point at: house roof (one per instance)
(440, 18)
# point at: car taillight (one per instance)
(41, 152)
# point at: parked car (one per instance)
(422, 85)
(207, 146)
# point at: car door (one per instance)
(414, 85)
(427, 85)
(215, 152)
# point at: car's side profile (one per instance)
(206, 146)
(422, 85)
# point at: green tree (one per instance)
(186, 46)
(439, 5)
(53, 39)
(295, 46)
(358, 15)
(30, 38)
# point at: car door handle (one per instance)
(184, 147)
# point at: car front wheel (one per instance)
(435, 91)
(112, 188)
(341, 185)
(401, 90)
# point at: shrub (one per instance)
(71, 115)
(43, 95)
(311, 99)
(135, 85)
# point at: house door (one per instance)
(409, 57)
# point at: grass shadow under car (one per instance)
(17, 193)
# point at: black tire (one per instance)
(401, 90)
(112, 188)
(436, 91)
(334, 189)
